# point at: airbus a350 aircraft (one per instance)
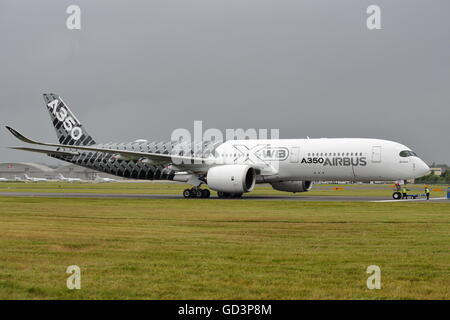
(235, 166)
(32, 179)
(102, 179)
(62, 178)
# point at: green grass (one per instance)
(223, 249)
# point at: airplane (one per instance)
(102, 179)
(62, 178)
(3, 180)
(233, 167)
(27, 178)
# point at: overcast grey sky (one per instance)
(140, 69)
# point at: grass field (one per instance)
(223, 249)
(353, 190)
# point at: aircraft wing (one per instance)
(131, 155)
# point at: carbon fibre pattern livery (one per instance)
(65, 123)
(63, 119)
(134, 169)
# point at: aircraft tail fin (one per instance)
(69, 130)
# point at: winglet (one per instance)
(20, 136)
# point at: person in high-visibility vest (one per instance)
(427, 192)
(404, 196)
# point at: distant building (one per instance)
(74, 171)
(11, 170)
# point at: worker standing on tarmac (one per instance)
(404, 196)
(427, 192)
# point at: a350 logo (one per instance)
(337, 161)
(71, 125)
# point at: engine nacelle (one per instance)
(292, 186)
(233, 178)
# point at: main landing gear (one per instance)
(196, 193)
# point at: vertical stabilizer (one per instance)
(68, 129)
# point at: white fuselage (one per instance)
(323, 159)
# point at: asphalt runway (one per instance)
(245, 197)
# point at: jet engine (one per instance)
(292, 186)
(233, 178)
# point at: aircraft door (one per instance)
(376, 154)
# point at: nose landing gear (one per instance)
(196, 193)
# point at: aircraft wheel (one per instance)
(221, 194)
(197, 193)
(397, 195)
(206, 193)
(187, 193)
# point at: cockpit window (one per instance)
(407, 153)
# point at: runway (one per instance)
(175, 197)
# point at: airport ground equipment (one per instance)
(398, 196)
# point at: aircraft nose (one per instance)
(422, 168)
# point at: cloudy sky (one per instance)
(140, 69)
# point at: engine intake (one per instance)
(292, 186)
(233, 178)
